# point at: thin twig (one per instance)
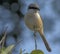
(16, 44)
(4, 37)
(21, 51)
(5, 34)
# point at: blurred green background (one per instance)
(12, 16)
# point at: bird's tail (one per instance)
(45, 42)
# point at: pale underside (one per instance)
(34, 21)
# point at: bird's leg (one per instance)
(35, 38)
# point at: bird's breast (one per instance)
(33, 20)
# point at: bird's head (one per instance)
(33, 7)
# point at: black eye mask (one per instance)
(34, 8)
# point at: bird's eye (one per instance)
(34, 8)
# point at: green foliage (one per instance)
(33, 52)
(37, 52)
(9, 49)
(6, 50)
(21, 51)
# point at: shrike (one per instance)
(33, 19)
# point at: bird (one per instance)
(34, 22)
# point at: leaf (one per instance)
(37, 52)
(8, 49)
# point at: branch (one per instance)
(4, 37)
